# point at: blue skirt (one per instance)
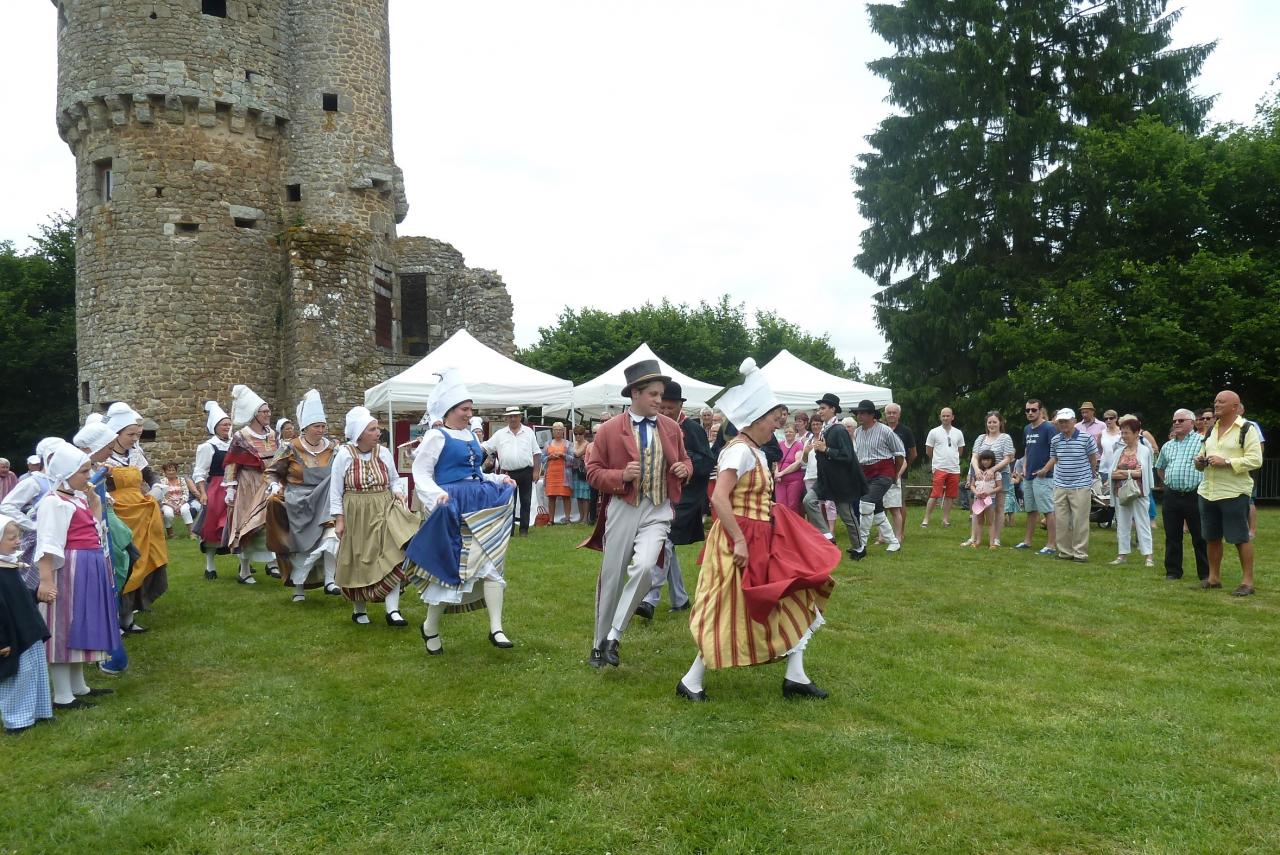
(436, 549)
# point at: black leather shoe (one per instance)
(857, 554)
(426, 642)
(94, 693)
(505, 645)
(273, 571)
(596, 659)
(394, 618)
(610, 653)
(801, 690)
(645, 610)
(332, 590)
(77, 704)
(246, 580)
(355, 618)
(685, 692)
(687, 605)
(134, 629)
(211, 574)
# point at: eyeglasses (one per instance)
(1032, 410)
(1175, 421)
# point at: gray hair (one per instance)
(849, 421)
(5, 461)
(1184, 413)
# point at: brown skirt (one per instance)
(371, 555)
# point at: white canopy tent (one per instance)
(603, 394)
(799, 385)
(493, 380)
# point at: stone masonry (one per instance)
(237, 201)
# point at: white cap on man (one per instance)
(1066, 414)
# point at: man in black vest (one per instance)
(840, 478)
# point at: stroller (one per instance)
(1100, 510)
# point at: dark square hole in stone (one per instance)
(293, 192)
(159, 192)
(216, 8)
(329, 102)
(245, 223)
(188, 228)
(84, 392)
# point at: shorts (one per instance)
(892, 496)
(1225, 519)
(1037, 495)
(945, 484)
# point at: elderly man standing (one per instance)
(894, 503)
(516, 446)
(8, 479)
(1091, 425)
(1231, 451)
(943, 446)
(1176, 466)
(840, 478)
(882, 456)
(1073, 459)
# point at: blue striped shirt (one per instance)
(1177, 461)
(1071, 467)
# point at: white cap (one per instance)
(245, 404)
(216, 414)
(358, 418)
(34, 460)
(749, 401)
(94, 436)
(477, 423)
(281, 422)
(311, 410)
(50, 444)
(65, 461)
(447, 394)
(1064, 414)
(120, 416)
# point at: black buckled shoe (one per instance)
(596, 659)
(426, 642)
(689, 695)
(857, 554)
(505, 644)
(332, 589)
(801, 690)
(394, 618)
(610, 653)
(76, 704)
(273, 571)
(211, 574)
(645, 610)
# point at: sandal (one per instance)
(1243, 591)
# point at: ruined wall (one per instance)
(456, 296)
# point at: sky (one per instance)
(605, 154)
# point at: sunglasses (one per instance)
(1110, 418)
(1175, 421)
(1032, 410)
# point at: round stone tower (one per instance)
(173, 111)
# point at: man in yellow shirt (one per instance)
(1231, 451)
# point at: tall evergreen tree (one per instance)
(968, 189)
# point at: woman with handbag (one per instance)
(578, 467)
(1131, 481)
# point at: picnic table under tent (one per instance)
(799, 385)
(493, 379)
(603, 395)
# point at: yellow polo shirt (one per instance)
(1227, 482)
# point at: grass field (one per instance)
(980, 702)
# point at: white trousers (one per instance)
(1131, 515)
(633, 538)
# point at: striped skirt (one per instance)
(462, 543)
(772, 606)
(83, 623)
(371, 553)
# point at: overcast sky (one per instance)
(605, 153)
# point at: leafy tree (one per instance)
(969, 189)
(38, 339)
(707, 341)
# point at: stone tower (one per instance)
(237, 202)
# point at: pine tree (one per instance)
(968, 189)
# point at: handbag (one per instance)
(1128, 491)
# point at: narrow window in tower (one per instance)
(414, 330)
(382, 313)
(159, 192)
(293, 192)
(188, 228)
(84, 392)
(246, 223)
(103, 179)
(329, 101)
(216, 8)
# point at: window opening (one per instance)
(245, 223)
(188, 228)
(216, 8)
(293, 192)
(104, 179)
(329, 101)
(84, 392)
(382, 314)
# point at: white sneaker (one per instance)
(893, 547)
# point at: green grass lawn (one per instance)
(980, 702)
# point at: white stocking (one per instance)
(60, 676)
(298, 575)
(795, 667)
(330, 568)
(245, 568)
(208, 562)
(693, 677)
(866, 510)
(431, 626)
(78, 685)
(493, 602)
(393, 600)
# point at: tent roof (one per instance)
(493, 379)
(799, 385)
(604, 393)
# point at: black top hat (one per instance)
(865, 406)
(642, 372)
(831, 401)
(673, 392)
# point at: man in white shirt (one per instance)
(516, 447)
(944, 445)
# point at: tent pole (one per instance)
(391, 430)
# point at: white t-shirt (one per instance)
(946, 447)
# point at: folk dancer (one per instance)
(251, 448)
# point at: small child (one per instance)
(177, 496)
(24, 673)
(1011, 506)
(985, 486)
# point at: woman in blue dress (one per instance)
(457, 556)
